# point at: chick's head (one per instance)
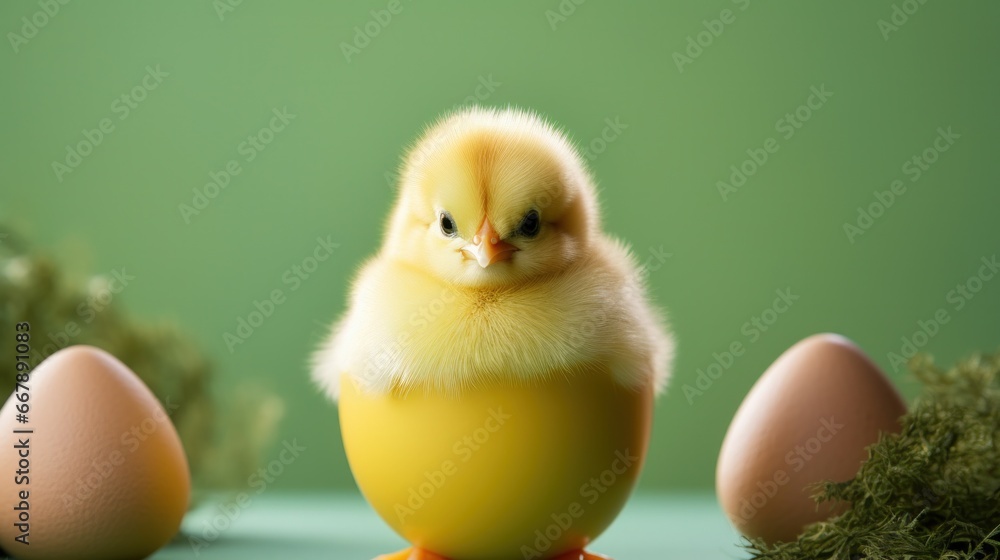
(492, 198)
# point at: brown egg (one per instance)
(101, 475)
(808, 419)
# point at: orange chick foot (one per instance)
(581, 555)
(411, 554)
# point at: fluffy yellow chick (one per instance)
(498, 360)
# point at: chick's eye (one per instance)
(530, 225)
(448, 225)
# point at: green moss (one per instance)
(930, 492)
(223, 440)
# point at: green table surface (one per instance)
(338, 526)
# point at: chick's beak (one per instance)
(487, 247)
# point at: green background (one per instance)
(326, 173)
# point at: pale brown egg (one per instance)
(808, 419)
(100, 475)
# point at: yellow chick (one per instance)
(497, 363)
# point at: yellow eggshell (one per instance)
(106, 476)
(808, 419)
(528, 471)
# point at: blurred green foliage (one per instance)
(222, 443)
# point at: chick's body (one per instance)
(498, 360)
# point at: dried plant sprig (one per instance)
(931, 492)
